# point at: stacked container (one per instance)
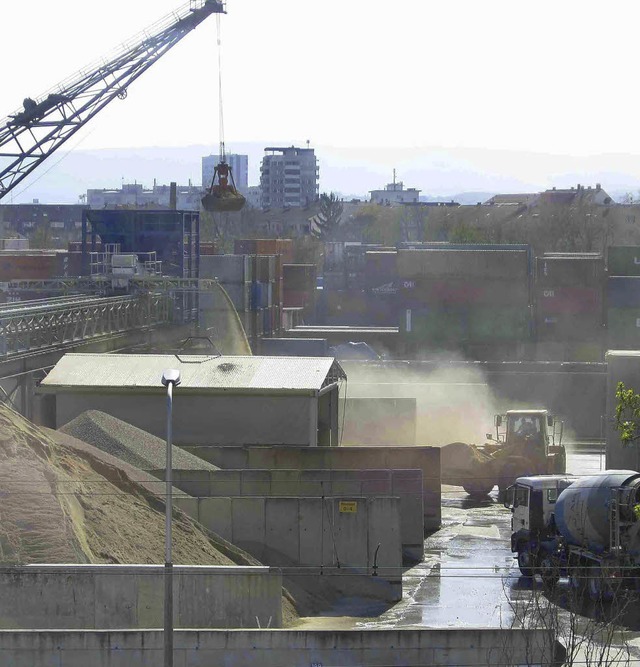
(475, 295)
(623, 297)
(569, 298)
(299, 288)
(381, 278)
(282, 247)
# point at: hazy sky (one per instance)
(554, 76)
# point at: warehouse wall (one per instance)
(275, 648)
(131, 597)
(317, 532)
(426, 459)
(217, 420)
(405, 484)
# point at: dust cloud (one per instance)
(454, 403)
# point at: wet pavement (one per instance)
(469, 576)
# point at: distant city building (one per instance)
(289, 177)
(239, 167)
(134, 195)
(395, 193)
(253, 195)
(22, 218)
(556, 196)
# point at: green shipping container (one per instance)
(498, 324)
(623, 260)
(437, 327)
(623, 326)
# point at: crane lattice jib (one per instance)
(31, 135)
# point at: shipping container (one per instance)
(497, 324)
(227, 269)
(623, 260)
(261, 295)
(566, 327)
(208, 248)
(28, 265)
(299, 277)
(435, 326)
(574, 270)
(283, 247)
(569, 300)
(14, 244)
(335, 280)
(265, 268)
(510, 265)
(623, 326)
(381, 268)
(623, 292)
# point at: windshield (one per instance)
(524, 425)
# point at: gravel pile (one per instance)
(129, 443)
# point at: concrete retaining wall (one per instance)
(131, 596)
(405, 484)
(426, 459)
(281, 648)
(351, 532)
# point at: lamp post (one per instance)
(170, 379)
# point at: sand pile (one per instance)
(64, 501)
(129, 443)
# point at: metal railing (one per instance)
(35, 327)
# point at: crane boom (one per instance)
(29, 136)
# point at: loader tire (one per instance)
(478, 489)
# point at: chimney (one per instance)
(598, 186)
(173, 196)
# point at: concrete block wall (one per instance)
(277, 648)
(313, 532)
(131, 597)
(426, 459)
(405, 484)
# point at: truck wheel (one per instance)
(599, 586)
(478, 489)
(526, 562)
(549, 572)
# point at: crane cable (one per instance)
(222, 156)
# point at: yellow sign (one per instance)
(348, 506)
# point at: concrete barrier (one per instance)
(405, 484)
(426, 459)
(354, 534)
(279, 648)
(131, 597)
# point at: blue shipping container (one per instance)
(623, 292)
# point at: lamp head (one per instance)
(171, 375)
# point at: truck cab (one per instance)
(532, 504)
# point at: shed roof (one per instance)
(199, 373)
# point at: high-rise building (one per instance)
(289, 177)
(239, 167)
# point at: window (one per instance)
(522, 497)
(552, 495)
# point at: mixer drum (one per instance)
(582, 510)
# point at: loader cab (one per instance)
(536, 427)
(532, 502)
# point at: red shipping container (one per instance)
(569, 300)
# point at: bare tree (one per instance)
(588, 632)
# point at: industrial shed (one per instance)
(222, 400)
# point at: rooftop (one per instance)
(142, 373)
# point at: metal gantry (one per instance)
(30, 135)
(32, 327)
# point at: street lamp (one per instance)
(170, 379)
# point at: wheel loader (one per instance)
(526, 442)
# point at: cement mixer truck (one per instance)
(583, 528)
